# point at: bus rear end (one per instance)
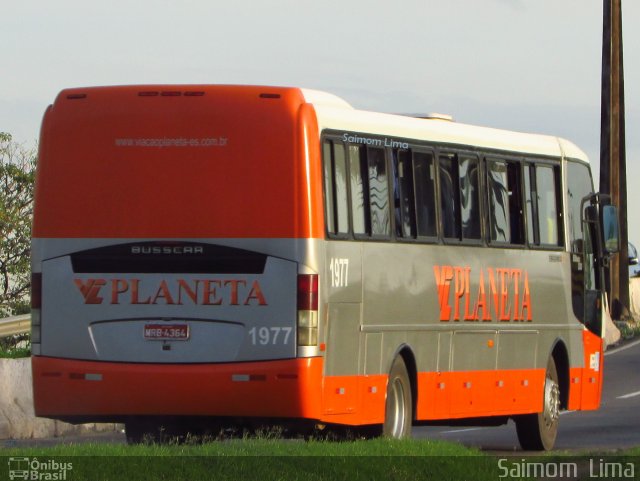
(171, 264)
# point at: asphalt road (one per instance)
(615, 425)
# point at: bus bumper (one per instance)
(64, 388)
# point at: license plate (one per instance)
(166, 332)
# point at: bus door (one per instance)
(593, 289)
(594, 259)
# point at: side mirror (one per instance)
(610, 229)
(633, 255)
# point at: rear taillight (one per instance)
(307, 309)
(36, 305)
(36, 290)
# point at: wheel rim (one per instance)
(551, 402)
(399, 408)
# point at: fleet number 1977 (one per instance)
(339, 272)
(269, 335)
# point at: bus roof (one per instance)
(336, 114)
(125, 159)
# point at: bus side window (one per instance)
(516, 211)
(531, 201)
(500, 225)
(359, 209)
(543, 206)
(341, 188)
(425, 192)
(449, 196)
(469, 179)
(329, 206)
(404, 199)
(505, 202)
(335, 183)
(378, 193)
(547, 205)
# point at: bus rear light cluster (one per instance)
(307, 309)
(36, 304)
(36, 290)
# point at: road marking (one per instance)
(623, 348)
(455, 431)
(627, 396)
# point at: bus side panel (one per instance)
(575, 389)
(355, 400)
(592, 371)
(455, 395)
(360, 400)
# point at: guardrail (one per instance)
(15, 325)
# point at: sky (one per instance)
(526, 65)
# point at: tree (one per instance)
(17, 176)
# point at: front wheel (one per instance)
(537, 432)
(398, 408)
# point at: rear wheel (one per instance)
(537, 432)
(398, 409)
(151, 430)
(140, 430)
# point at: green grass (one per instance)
(14, 347)
(629, 331)
(268, 458)
(271, 459)
(15, 353)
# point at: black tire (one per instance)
(141, 430)
(135, 431)
(537, 432)
(398, 413)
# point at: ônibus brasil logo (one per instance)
(34, 469)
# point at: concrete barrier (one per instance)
(17, 418)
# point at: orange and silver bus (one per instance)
(235, 254)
